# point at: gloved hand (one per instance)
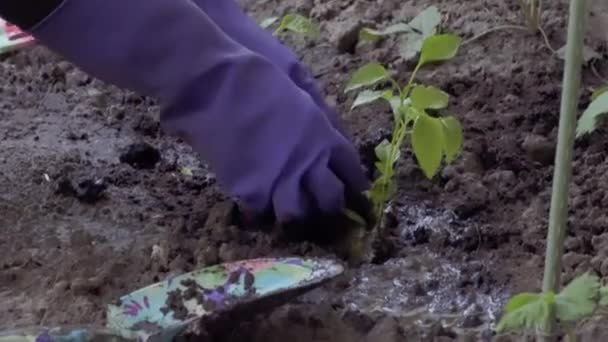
(244, 30)
(267, 140)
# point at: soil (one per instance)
(97, 201)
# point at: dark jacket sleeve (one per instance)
(27, 13)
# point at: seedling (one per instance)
(528, 313)
(532, 11)
(295, 23)
(433, 138)
(412, 34)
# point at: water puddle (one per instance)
(435, 279)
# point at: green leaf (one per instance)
(424, 25)
(353, 216)
(298, 24)
(588, 121)
(383, 152)
(412, 113)
(397, 107)
(579, 299)
(380, 191)
(186, 171)
(366, 76)
(368, 96)
(410, 44)
(371, 35)
(389, 96)
(425, 97)
(604, 296)
(599, 91)
(427, 142)
(453, 138)
(520, 300)
(379, 166)
(266, 23)
(526, 311)
(439, 48)
(427, 21)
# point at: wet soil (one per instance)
(97, 201)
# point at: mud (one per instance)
(97, 201)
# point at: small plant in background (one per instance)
(411, 34)
(532, 11)
(434, 139)
(528, 313)
(293, 23)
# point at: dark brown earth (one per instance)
(90, 184)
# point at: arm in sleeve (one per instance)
(27, 13)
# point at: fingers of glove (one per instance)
(359, 203)
(290, 202)
(346, 164)
(325, 189)
(304, 80)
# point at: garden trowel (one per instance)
(167, 309)
(12, 38)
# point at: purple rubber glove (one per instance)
(269, 143)
(243, 29)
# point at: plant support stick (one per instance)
(565, 150)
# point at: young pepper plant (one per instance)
(433, 138)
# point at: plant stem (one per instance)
(408, 87)
(494, 29)
(398, 135)
(396, 86)
(564, 154)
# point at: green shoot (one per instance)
(412, 34)
(592, 115)
(434, 139)
(532, 11)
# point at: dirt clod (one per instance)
(87, 191)
(140, 156)
(385, 330)
(539, 149)
(345, 34)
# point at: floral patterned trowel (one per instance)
(12, 38)
(162, 311)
